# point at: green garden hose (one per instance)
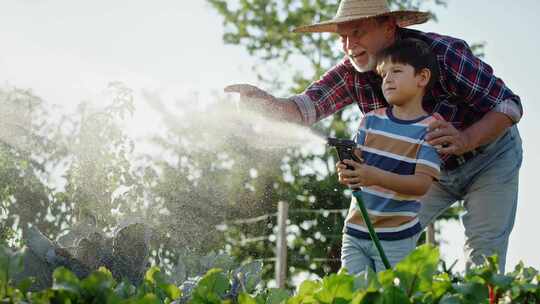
(358, 195)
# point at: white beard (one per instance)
(370, 66)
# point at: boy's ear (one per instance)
(423, 77)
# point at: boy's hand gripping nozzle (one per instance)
(344, 148)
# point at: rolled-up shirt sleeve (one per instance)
(471, 78)
(306, 107)
(326, 96)
(510, 108)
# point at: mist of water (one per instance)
(220, 121)
(207, 128)
(257, 144)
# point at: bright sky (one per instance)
(67, 51)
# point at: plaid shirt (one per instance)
(466, 90)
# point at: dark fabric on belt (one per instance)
(453, 162)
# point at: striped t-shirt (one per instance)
(397, 146)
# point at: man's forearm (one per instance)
(285, 109)
(252, 97)
(484, 131)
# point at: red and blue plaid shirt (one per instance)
(466, 90)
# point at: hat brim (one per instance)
(403, 19)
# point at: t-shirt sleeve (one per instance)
(428, 161)
(360, 137)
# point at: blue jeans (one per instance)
(357, 254)
(488, 186)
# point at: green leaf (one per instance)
(245, 298)
(150, 275)
(393, 294)
(450, 299)
(10, 263)
(441, 285)
(336, 288)
(42, 297)
(212, 287)
(386, 277)
(367, 280)
(25, 284)
(125, 290)
(309, 287)
(277, 296)
(65, 280)
(366, 297)
(160, 286)
(306, 292)
(416, 271)
(501, 282)
(99, 285)
(149, 298)
(171, 290)
(472, 292)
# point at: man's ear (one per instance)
(423, 77)
(390, 27)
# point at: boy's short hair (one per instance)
(413, 52)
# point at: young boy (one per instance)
(398, 164)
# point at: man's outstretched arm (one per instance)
(259, 100)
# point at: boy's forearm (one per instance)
(405, 184)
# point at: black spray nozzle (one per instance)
(338, 142)
(345, 149)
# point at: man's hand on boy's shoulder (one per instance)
(447, 139)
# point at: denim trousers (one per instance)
(488, 186)
(357, 254)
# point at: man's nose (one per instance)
(344, 43)
(352, 42)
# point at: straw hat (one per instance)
(353, 10)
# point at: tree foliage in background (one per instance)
(265, 29)
(204, 178)
(58, 170)
(27, 154)
(100, 175)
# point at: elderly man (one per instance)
(479, 141)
